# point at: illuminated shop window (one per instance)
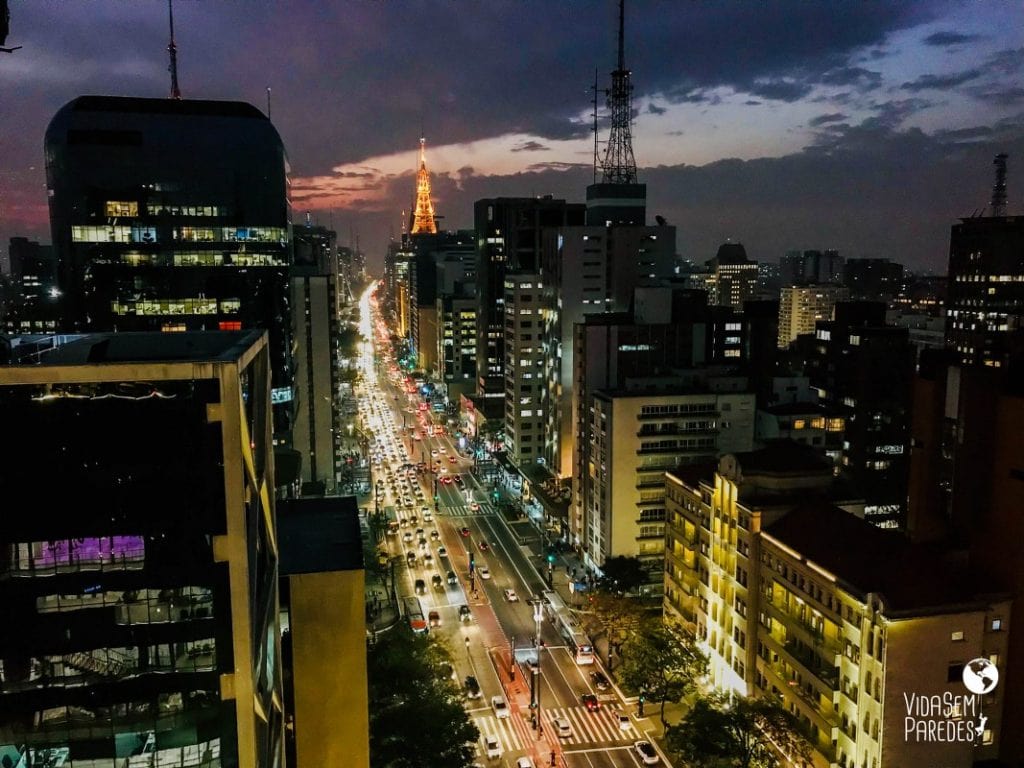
(122, 208)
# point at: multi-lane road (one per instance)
(462, 535)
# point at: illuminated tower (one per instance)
(423, 218)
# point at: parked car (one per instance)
(600, 681)
(472, 688)
(646, 752)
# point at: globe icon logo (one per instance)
(980, 676)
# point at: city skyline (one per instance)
(825, 125)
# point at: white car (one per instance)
(562, 727)
(645, 751)
(484, 572)
(624, 723)
(500, 707)
(524, 762)
(492, 746)
(511, 596)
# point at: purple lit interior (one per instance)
(90, 550)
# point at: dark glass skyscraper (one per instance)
(138, 571)
(172, 215)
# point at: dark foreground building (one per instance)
(172, 215)
(139, 571)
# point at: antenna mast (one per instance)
(594, 115)
(619, 165)
(999, 188)
(172, 49)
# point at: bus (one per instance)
(391, 518)
(414, 613)
(579, 644)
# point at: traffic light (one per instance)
(494, 494)
(551, 557)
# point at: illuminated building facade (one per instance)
(172, 215)
(776, 582)
(141, 590)
(802, 306)
(985, 303)
(736, 276)
(632, 438)
(524, 367)
(35, 297)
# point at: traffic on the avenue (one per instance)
(532, 683)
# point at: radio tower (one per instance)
(172, 49)
(619, 166)
(423, 218)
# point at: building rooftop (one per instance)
(319, 535)
(797, 409)
(140, 347)
(692, 475)
(866, 559)
(783, 456)
(146, 106)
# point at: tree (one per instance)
(410, 683)
(746, 733)
(617, 616)
(663, 663)
(622, 574)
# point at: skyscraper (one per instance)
(140, 589)
(172, 215)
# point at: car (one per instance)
(464, 613)
(524, 762)
(421, 587)
(434, 618)
(434, 452)
(624, 721)
(500, 706)
(562, 727)
(410, 556)
(646, 752)
(452, 578)
(420, 532)
(590, 702)
(600, 681)
(458, 479)
(484, 572)
(472, 688)
(443, 449)
(428, 517)
(423, 543)
(428, 559)
(492, 746)
(451, 459)
(475, 506)
(407, 537)
(511, 596)
(446, 480)
(436, 581)
(464, 532)
(442, 551)
(435, 536)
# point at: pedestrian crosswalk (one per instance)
(503, 729)
(590, 727)
(464, 510)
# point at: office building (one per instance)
(34, 303)
(141, 589)
(736, 276)
(633, 436)
(810, 268)
(456, 344)
(173, 215)
(802, 307)
(984, 315)
(771, 575)
(872, 279)
(524, 367)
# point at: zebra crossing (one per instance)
(464, 510)
(501, 729)
(590, 727)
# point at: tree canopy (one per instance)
(737, 734)
(663, 662)
(410, 682)
(622, 574)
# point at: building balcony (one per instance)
(679, 449)
(678, 431)
(821, 715)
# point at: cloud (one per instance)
(531, 146)
(782, 89)
(1004, 96)
(832, 117)
(753, 103)
(858, 77)
(941, 82)
(943, 39)
(654, 109)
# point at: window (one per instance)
(997, 625)
(122, 208)
(955, 672)
(957, 637)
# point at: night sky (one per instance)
(863, 126)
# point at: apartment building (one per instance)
(794, 596)
(524, 367)
(801, 306)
